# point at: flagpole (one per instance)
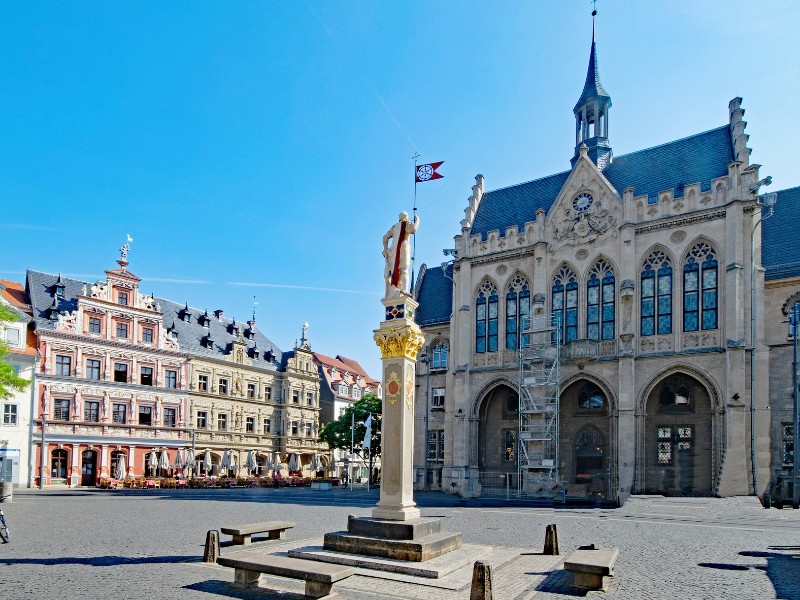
(352, 429)
(414, 243)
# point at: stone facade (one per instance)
(644, 264)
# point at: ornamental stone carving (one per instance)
(99, 291)
(400, 342)
(68, 322)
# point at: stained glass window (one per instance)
(700, 289)
(656, 295)
(486, 318)
(565, 303)
(518, 313)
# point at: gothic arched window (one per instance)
(518, 313)
(656, 299)
(565, 304)
(600, 296)
(486, 319)
(700, 289)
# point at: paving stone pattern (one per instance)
(132, 544)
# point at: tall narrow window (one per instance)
(565, 304)
(700, 290)
(91, 412)
(656, 295)
(486, 319)
(169, 417)
(600, 303)
(439, 356)
(170, 379)
(92, 369)
(119, 413)
(518, 313)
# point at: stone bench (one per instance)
(242, 533)
(592, 569)
(319, 576)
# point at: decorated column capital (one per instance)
(399, 342)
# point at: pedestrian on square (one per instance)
(276, 481)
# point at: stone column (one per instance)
(399, 339)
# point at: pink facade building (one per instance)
(111, 383)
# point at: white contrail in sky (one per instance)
(25, 226)
(169, 280)
(299, 287)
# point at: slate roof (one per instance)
(190, 334)
(435, 296)
(592, 88)
(780, 237)
(695, 159)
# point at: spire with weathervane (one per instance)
(591, 113)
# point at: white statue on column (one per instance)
(398, 257)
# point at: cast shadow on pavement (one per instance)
(781, 568)
(224, 588)
(100, 561)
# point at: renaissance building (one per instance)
(604, 330)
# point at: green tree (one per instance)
(349, 427)
(10, 382)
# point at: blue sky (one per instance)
(263, 148)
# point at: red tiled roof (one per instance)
(14, 293)
(343, 365)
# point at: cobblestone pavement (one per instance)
(146, 544)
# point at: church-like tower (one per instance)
(591, 115)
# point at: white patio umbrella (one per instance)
(234, 459)
(178, 464)
(293, 462)
(190, 460)
(121, 471)
(314, 462)
(153, 462)
(268, 464)
(225, 464)
(251, 462)
(276, 462)
(207, 461)
(163, 462)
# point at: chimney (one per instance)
(218, 313)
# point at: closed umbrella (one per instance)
(268, 463)
(315, 462)
(276, 462)
(234, 459)
(292, 462)
(178, 464)
(207, 462)
(251, 462)
(226, 462)
(190, 460)
(163, 462)
(121, 471)
(153, 462)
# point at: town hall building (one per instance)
(640, 281)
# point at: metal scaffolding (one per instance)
(539, 395)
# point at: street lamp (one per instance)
(425, 359)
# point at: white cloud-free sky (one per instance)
(263, 148)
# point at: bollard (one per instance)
(211, 553)
(551, 541)
(481, 581)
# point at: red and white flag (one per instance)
(427, 172)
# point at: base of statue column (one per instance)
(414, 540)
(400, 513)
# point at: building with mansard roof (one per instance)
(615, 328)
(123, 376)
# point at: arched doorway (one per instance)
(678, 438)
(88, 467)
(584, 435)
(497, 438)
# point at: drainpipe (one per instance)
(767, 201)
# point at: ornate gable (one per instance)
(586, 208)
